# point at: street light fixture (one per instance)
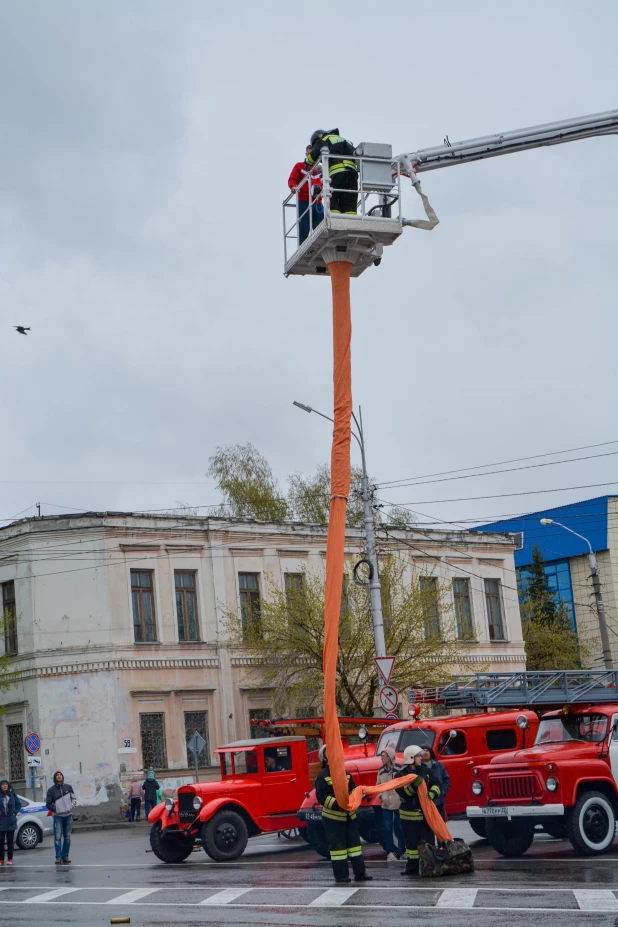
(596, 586)
(370, 536)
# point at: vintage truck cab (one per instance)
(565, 781)
(461, 743)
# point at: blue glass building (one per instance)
(589, 518)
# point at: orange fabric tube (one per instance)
(340, 272)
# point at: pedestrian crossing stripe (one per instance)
(455, 898)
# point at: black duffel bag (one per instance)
(450, 858)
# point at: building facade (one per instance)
(116, 628)
(566, 563)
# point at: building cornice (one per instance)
(118, 665)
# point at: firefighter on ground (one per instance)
(342, 169)
(415, 827)
(340, 828)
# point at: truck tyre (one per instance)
(368, 831)
(479, 827)
(225, 836)
(555, 827)
(591, 824)
(509, 838)
(317, 838)
(168, 851)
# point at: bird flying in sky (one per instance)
(21, 329)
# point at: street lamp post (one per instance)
(596, 587)
(370, 536)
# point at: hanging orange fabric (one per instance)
(340, 272)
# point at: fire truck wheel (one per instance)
(478, 826)
(168, 851)
(591, 824)
(225, 836)
(509, 838)
(317, 838)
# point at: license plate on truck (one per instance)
(494, 811)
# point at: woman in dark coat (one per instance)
(9, 806)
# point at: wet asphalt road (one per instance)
(278, 882)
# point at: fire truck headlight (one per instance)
(197, 802)
(477, 787)
(169, 805)
(551, 783)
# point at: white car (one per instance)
(34, 822)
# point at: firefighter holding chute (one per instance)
(342, 169)
(415, 827)
(340, 828)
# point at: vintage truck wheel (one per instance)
(225, 836)
(591, 824)
(509, 838)
(479, 827)
(168, 851)
(317, 838)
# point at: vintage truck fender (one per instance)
(159, 812)
(210, 808)
(590, 781)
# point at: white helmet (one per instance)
(322, 753)
(409, 753)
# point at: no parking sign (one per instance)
(33, 743)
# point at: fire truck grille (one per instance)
(186, 811)
(522, 786)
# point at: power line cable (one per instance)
(499, 463)
(504, 495)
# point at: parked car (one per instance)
(34, 822)
(565, 782)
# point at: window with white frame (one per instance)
(495, 614)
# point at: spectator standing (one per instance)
(390, 807)
(134, 795)
(150, 787)
(9, 806)
(303, 191)
(61, 801)
(438, 771)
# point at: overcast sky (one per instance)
(145, 154)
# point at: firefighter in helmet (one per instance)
(340, 828)
(415, 827)
(342, 169)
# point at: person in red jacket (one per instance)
(314, 186)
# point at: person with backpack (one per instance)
(150, 787)
(9, 807)
(60, 801)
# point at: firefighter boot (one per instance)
(340, 870)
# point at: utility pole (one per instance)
(372, 551)
(370, 536)
(596, 591)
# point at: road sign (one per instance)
(389, 698)
(196, 743)
(33, 743)
(385, 665)
(392, 717)
(34, 761)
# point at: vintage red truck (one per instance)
(263, 782)
(565, 780)
(461, 743)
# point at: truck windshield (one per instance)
(590, 728)
(422, 737)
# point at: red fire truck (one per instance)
(565, 779)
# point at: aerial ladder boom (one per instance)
(491, 146)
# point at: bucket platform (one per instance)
(361, 237)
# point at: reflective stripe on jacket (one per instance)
(325, 794)
(337, 145)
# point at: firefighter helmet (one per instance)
(316, 135)
(322, 753)
(409, 753)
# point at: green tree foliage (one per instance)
(309, 497)
(245, 479)
(289, 638)
(551, 642)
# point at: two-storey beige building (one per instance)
(119, 639)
